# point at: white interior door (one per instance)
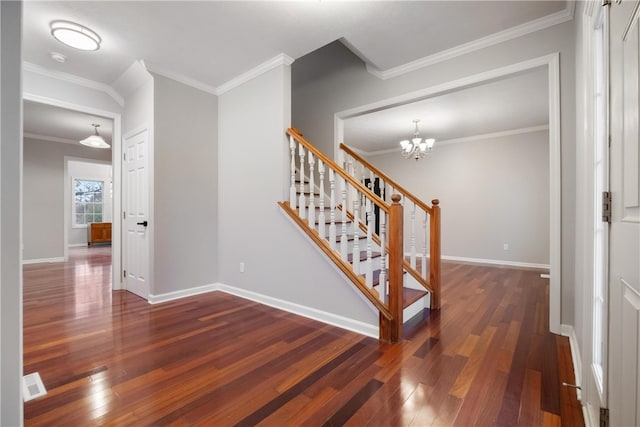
(136, 213)
(624, 235)
(596, 323)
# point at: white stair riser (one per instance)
(416, 307)
(375, 265)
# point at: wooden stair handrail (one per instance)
(335, 257)
(386, 178)
(295, 134)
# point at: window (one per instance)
(87, 202)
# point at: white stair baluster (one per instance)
(356, 235)
(370, 224)
(292, 189)
(425, 226)
(343, 233)
(312, 191)
(382, 278)
(303, 202)
(332, 211)
(413, 237)
(321, 217)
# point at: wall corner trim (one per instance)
(491, 40)
(73, 79)
(276, 61)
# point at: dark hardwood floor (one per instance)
(215, 359)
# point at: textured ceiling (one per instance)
(62, 125)
(210, 43)
(213, 42)
(508, 104)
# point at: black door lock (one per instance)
(145, 223)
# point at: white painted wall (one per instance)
(10, 214)
(253, 168)
(186, 186)
(48, 87)
(95, 172)
(43, 195)
(332, 80)
(492, 192)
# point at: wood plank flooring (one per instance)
(109, 358)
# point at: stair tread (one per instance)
(350, 237)
(327, 221)
(363, 256)
(409, 296)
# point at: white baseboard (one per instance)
(301, 310)
(568, 331)
(170, 296)
(42, 260)
(488, 261)
(291, 307)
(588, 418)
(76, 245)
(497, 262)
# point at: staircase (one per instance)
(361, 229)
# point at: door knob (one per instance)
(145, 223)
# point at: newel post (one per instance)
(396, 258)
(434, 254)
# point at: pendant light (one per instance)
(95, 140)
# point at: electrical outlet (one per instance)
(242, 267)
(506, 246)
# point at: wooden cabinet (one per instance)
(99, 232)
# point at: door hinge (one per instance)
(604, 417)
(606, 206)
(124, 215)
(124, 273)
(124, 156)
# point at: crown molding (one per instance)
(473, 138)
(39, 137)
(281, 59)
(181, 78)
(73, 79)
(518, 31)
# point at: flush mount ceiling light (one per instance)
(95, 140)
(416, 148)
(75, 35)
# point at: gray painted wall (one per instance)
(10, 214)
(253, 168)
(491, 191)
(331, 80)
(43, 195)
(186, 186)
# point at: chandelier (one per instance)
(416, 148)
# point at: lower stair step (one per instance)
(409, 296)
(363, 257)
